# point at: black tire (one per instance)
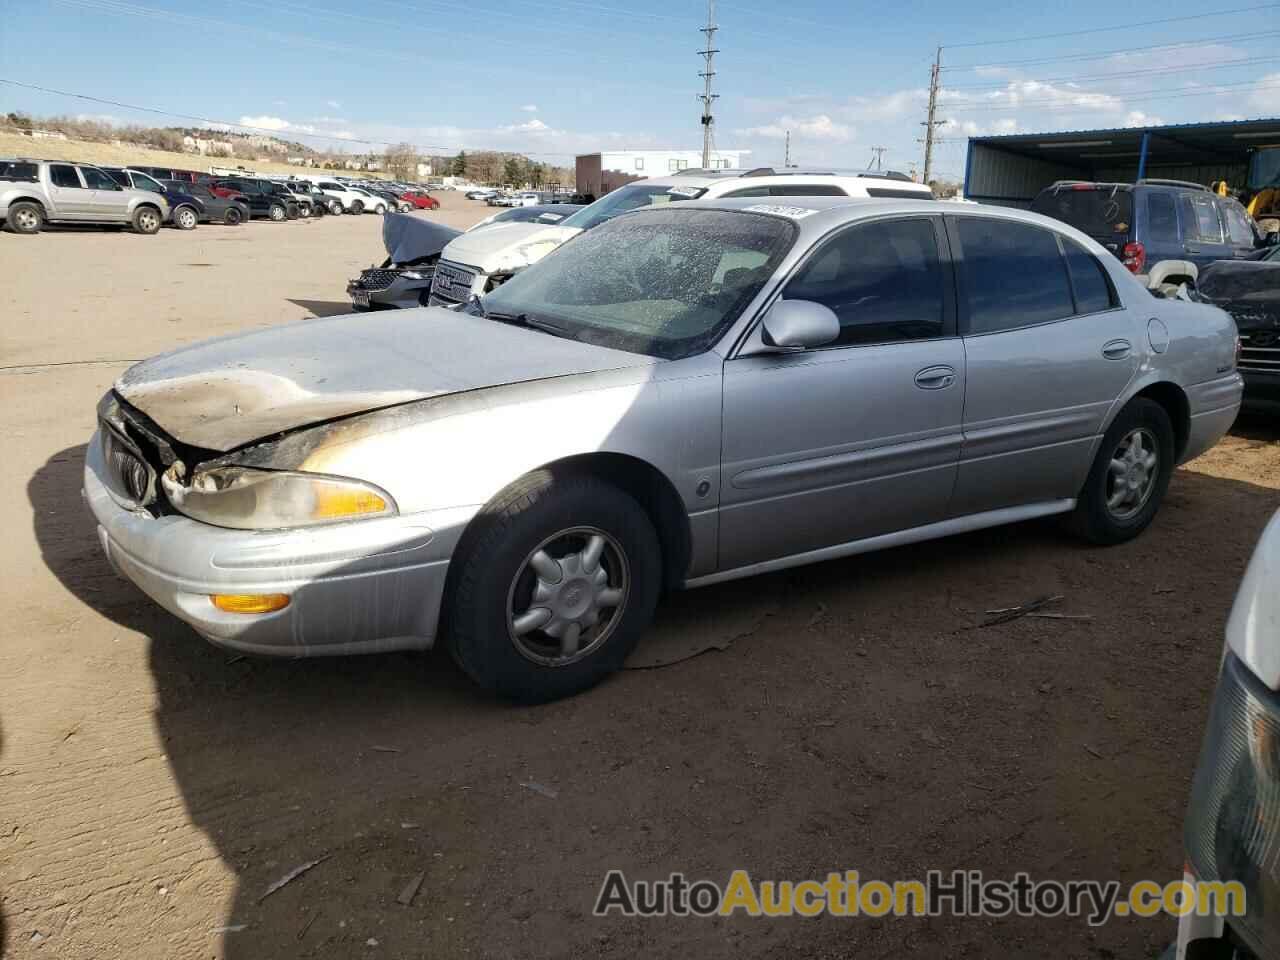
(380, 209)
(24, 217)
(186, 218)
(147, 220)
(357, 206)
(233, 217)
(277, 213)
(493, 558)
(1096, 521)
(318, 210)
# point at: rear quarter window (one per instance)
(17, 171)
(1101, 212)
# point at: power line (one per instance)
(1104, 54)
(1216, 90)
(289, 133)
(1153, 71)
(1124, 26)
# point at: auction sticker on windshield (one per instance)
(782, 210)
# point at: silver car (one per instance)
(684, 395)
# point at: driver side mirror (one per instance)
(799, 325)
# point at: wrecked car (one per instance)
(404, 279)
(1249, 290)
(681, 396)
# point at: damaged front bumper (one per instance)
(390, 287)
(360, 587)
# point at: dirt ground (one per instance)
(152, 787)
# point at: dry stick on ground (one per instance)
(1013, 613)
(293, 875)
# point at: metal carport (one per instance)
(1011, 169)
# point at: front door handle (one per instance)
(1191, 249)
(1117, 349)
(936, 378)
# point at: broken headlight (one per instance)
(248, 499)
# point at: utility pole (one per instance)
(708, 72)
(786, 157)
(876, 163)
(932, 123)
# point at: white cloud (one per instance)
(333, 104)
(1266, 95)
(530, 108)
(276, 124)
(818, 127)
(529, 126)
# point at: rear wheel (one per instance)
(406, 207)
(335, 207)
(25, 217)
(277, 212)
(1129, 476)
(147, 220)
(232, 217)
(304, 210)
(555, 585)
(186, 218)
(357, 206)
(380, 209)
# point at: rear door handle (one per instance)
(1116, 349)
(936, 378)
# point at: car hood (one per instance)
(225, 393)
(501, 247)
(409, 238)
(1247, 289)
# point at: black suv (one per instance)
(266, 199)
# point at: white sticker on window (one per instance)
(782, 210)
(684, 191)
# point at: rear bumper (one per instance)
(1214, 407)
(359, 587)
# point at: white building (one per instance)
(598, 173)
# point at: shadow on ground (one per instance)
(858, 720)
(324, 308)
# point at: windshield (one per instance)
(1103, 212)
(1264, 168)
(665, 283)
(630, 197)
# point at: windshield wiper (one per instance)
(518, 319)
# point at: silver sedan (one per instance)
(687, 394)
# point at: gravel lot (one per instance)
(152, 787)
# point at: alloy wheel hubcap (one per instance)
(26, 219)
(188, 219)
(568, 596)
(1131, 474)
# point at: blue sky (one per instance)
(558, 77)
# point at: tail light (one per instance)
(1134, 256)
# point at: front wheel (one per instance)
(1129, 476)
(147, 220)
(185, 218)
(335, 207)
(380, 209)
(232, 217)
(406, 208)
(553, 587)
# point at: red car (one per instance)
(420, 201)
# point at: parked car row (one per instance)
(34, 192)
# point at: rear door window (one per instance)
(1162, 218)
(1200, 219)
(1239, 228)
(63, 175)
(884, 280)
(96, 179)
(1013, 275)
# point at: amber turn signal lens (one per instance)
(333, 502)
(250, 602)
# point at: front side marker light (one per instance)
(250, 602)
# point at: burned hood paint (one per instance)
(228, 392)
(506, 246)
(409, 238)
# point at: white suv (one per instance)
(344, 196)
(475, 263)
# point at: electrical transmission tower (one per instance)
(707, 97)
(876, 164)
